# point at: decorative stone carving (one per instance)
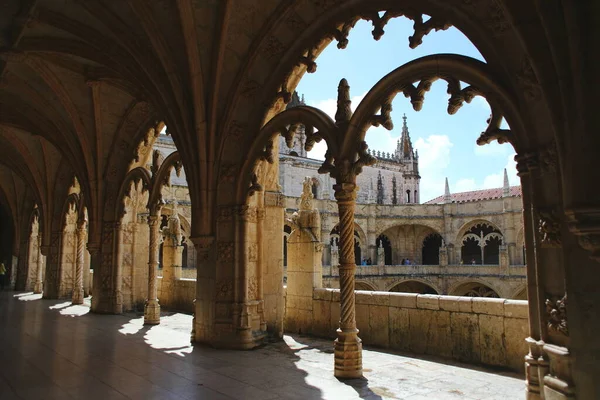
(528, 80)
(225, 251)
(556, 311)
(549, 228)
(252, 288)
(274, 199)
(584, 223)
(306, 200)
(272, 47)
(224, 288)
(228, 172)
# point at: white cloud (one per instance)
(491, 181)
(434, 159)
(329, 106)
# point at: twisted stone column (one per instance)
(39, 285)
(77, 297)
(347, 346)
(152, 308)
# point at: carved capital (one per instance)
(584, 223)
(549, 228)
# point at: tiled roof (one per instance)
(477, 195)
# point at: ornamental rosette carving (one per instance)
(224, 288)
(556, 312)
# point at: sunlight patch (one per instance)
(132, 327)
(75, 310)
(60, 305)
(28, 296)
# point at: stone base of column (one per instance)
(348, 355)
(151, 312)
(77, 296)
(37, 289)
(532, 385)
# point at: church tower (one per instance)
(409, 158)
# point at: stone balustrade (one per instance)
(468, 329)
(464, 269)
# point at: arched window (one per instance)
(481, 245)
(415, 198)
(314, 189)
(431, 249)
(408, 196)
(383, 241)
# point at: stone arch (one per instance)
(474, 288)
(364, 285)
(480, 243)
(431, 249)
(406, 240)
(413, 285)
(520, 293)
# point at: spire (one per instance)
(296, 101)
(406, 144)
(506, 187)
(447, 196)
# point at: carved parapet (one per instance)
(584, 223)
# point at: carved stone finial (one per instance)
(306, 202)
(344, 111)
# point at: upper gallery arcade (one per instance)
(86, 87)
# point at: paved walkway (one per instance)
(52, 350)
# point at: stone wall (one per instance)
(182, 295)
(472, 330)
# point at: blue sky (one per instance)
(446, 143)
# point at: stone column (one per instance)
(78, 286)
(118, 276)
(152, 308)
(39, 283)
(273, 263)
(204, 304)
(347, 346)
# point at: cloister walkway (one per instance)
(52, 350)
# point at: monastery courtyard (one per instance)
(54, 350)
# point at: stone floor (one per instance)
(52, 350)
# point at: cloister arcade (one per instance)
(84, 83)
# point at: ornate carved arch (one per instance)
(134, 176)
(161, 175)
